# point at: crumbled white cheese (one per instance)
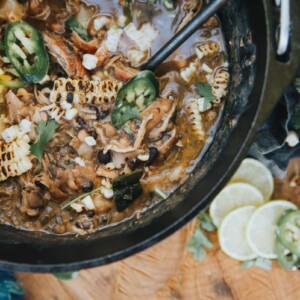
(122, 21)
(79, 161)
(71, 114)
(207, 68)
(90, 61)
(292, 139)
(106, 183)
(90, 141)
(77, 207)
(113, 37)
(203, 104)
(13, 132)
(143, 37)
(25, 126)
(143, 157)
(65, 105)
(107, 193)
(100, 22)
(188, 73)
(88, 202)
(136, 56)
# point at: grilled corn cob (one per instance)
(15, 151)
(207, 49)
(84, 91)
(220, 83)
(196, 120)
(67, 92)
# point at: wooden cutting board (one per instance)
(167, 271)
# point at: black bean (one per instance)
(70, 98)
(104, 158)
(90, 213)
(88, 186)
(80, 121)
(153, 153)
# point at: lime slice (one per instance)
(234, 196)
(255, 173)
(261, 227)
(232, 234)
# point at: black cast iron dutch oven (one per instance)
(258, 79)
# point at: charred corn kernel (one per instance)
(15, 158)
(196, 119)
(14, 149)
(84, 91)
(220, 83)
(207, 49)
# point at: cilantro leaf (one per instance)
(45, 131)
(260, 262)
(205, 90)
(65, 275)
(206, 222)
(197, 243)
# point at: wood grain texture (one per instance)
(168, 272)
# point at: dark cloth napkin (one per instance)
(270, 146)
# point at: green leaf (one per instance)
(259, 262)
(73, 25)
(247, 264)
(197, 243)
(205, 90)
(45, 131)
(206, 222)
(263, 263)
(65, 275)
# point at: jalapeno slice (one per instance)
(126, 189)
(133, 97)
(141, 90)
(25, 48)
(285, 257)
(123, 113)
(288, 230)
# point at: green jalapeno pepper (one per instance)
(285, 257)
(288, 230)
(134, 96)
(123, 113)
(73, 25)
(126, 189)
(25, 48)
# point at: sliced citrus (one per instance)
(232, 234)
(232, 197)
(262, 225)
(255, 173)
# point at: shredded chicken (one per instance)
(66, 55)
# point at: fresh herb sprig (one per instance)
(199, 241)
(68, 203)
(260, 262)
(205, 90)
(45, 131)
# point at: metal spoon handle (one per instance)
(183, 34)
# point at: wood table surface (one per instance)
(167, 271)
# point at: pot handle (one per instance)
(278, 73)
